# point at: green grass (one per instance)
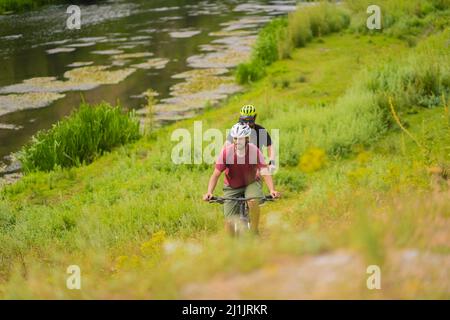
(22, 5)
(277, 39)
(265, 51)
(315, 21)
(99, 215)
(372, 196)
(405, 20)
(362, 115)
(86, 134)
(136, 190)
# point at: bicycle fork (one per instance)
(245, 214)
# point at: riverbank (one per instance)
(134, 222)
(124, 49)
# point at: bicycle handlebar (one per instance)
(223, 199)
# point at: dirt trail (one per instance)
(304, 278)
(335, 275)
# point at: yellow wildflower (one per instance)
(312, 160)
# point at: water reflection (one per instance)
(123, 49)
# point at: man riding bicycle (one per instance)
(243, 164)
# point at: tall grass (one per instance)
(418, 80)
(315, 21)
(267, 49)
(362, 115)
(80, 138)
(394, 10)
(404, 19)
(277, 40)
(21, 5)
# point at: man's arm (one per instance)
(212, 184)
(266, 140)
(269, 182)
(270, 153)
(265, 173)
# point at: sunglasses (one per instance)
(247, 119)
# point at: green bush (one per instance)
(269, 47)
(292, 180)
(299, 28)
(326, 18)
(21, 5)
(277, 40)
(266, 49)
(401, 18)
(420, 80)
(249, 72)
(362, 115)
(315, 21)
(80, 138)
(354, 119)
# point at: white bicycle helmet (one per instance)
(241, 130)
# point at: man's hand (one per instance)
(211, 185)
(274, 194)
(207, 196)
(272, 169)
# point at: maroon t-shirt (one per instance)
(240, 171)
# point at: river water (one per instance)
(183, 50)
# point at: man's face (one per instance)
(248, 120)
(240, 143)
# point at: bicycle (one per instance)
(244, 217)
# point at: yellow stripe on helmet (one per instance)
(248, 110)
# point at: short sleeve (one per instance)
(221, 161)
(264, 138)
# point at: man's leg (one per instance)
(231, 208)
(251, 191)
(230, 225)
(253, 206)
